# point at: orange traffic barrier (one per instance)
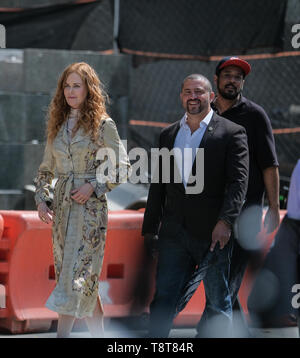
(26, 256)
(127, 277)
(2, 287)
(27, 271)
(127, 280)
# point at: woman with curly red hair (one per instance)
(78, 127)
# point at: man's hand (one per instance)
(83, 193)
(221, 234)
(272, 219)
(151, 244)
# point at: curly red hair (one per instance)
(93, 110)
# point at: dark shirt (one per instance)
(262, 153)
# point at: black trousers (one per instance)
(245, 252)
(179, 254)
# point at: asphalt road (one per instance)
(121, 332)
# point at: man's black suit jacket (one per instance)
(226, 164)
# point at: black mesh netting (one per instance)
(68, 26)
(201, 28)
(273, 83)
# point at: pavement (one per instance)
(286, 332)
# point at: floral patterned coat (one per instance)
(79, 231)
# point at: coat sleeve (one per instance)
(237, 168)
(156, 201)
(114, 166)
(44, 177)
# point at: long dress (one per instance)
(78, 231)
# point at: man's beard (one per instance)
(233, 94)
(196, 109)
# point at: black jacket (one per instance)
(225, 182)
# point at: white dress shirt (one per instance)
(293, 205)
(188, 143)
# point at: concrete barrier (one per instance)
(23, 117)
(19, 164)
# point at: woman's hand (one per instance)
(83, 193)
(45, 214)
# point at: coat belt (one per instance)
(65, 186)
(78, 175)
